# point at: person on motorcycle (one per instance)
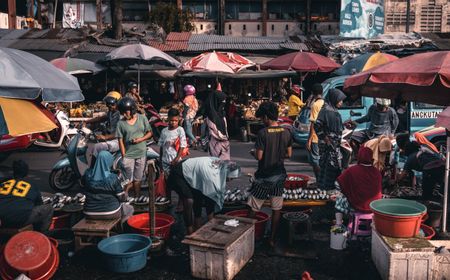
(132, 132)
(189, 113)
(383, 121)
(133, 92)
(108, 141)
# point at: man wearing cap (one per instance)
(295, 103)
(383, 121)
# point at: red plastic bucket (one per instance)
(298, 181)
(60, 220)
(397, 226)
(30, 253)
(260, 225)
(429, 231)
(140, 224)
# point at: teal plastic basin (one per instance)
(398, 207)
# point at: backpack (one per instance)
(302, 122)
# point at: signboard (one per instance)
(73, 15)
(362, 18)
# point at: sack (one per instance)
(185, 151)
(160, 185)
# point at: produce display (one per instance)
(249, 111)
(86, 111)
(300, 193)
(145, 199)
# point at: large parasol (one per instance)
(219, 62)
(26, 76)
(301, 62)
(423, 78)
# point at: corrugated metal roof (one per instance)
(294, 46)
(39, 44)
(203, 38)
(95, 48)
(178, 36)
(15, 34)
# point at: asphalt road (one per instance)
(42, 160)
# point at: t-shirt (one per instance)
(167, 142)
(381, 123)
(294, 103)
(129, 132)
(17, 199)
(192, 103)
(273, 141)
(113, 119)
(315, 109)
(422, 160)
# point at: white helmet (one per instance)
(383, 101)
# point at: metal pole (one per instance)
(447, 171)
(139, 78)
(54, 14)
(408, 14)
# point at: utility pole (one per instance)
(12, 14)
(408, 15)
(308, 17)
(99, 14)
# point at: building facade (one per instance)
(425, 16)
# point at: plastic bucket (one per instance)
(140, 224)
(125, 252)
(428, 231)
(435, 215)
(29, 253)
(295, 181)
(60, 220)
(260, 225)
(338, 241)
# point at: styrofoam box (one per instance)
(401, 265)
(441, 267)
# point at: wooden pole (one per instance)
(99, 14)
(12, 14)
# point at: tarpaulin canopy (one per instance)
(421, 77)
(26, 76)
(21, 117)
(301, 62)
(217, 62)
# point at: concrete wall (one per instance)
(205, 27)
(243, 28)
(4, 20)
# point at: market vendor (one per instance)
(104, 193)
(360, 185)
(200, 182)
(21, 202)
(381, 147)
(107, 140)
(295, 103)
(423, 159)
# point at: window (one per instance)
(201, 26)
(322, 12)
(273, 27)
(293, 10)
(244, 27)
(134, 11)
(420, 105)
(286, 27)
(229, 26)
(353, 101)
(202, 9)
(243, 10)
(258, 27)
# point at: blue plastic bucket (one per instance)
(125, 252)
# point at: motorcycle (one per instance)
(69, 170)
(63, 133)
(155, 120)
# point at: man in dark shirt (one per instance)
(273, 145)
(108, 141)
(423, 159)
(21, 203)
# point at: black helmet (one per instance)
(132, 85)
(109, 100)
(127, 104)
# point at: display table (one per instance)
(300, 203)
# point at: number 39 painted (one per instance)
(19, 189)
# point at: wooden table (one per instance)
(300, 203)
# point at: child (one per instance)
(169, 153)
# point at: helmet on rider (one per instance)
(189, 90)
(127, 104)
(115, 94)
(132, 85)
(383, 101)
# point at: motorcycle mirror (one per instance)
(355, 114)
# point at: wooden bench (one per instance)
(86, 231)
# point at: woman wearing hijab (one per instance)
(104, 192)
(360, 185)
(381, 147)
(328, 127)
(219, 144)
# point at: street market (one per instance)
(222, 157)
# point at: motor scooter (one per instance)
(68, 171)
(155, 120)
(63, 133)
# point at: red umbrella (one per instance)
(302, 62)
(422, 77)
(217, 62)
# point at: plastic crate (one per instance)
(295, 181)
